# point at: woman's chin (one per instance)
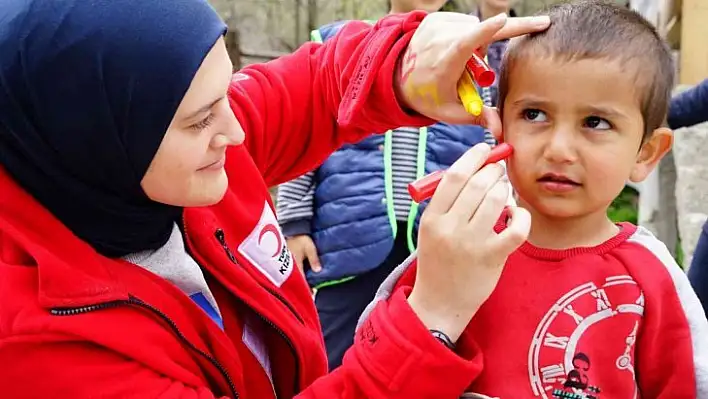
(205, 194)
(210, 195)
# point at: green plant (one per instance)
(679, 254)
(451, 5)
(625, 208)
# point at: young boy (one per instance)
(586, 308)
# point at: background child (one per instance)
(687, 109)
(586, 308)
(350, 222)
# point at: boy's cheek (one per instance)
(507, 128)
(513, 130)
(522, 145)
(512, 170)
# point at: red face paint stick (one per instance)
(482, 74)
(424, 188)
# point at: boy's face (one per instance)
(576, 128)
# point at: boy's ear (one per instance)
(651, 152)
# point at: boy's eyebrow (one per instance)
(604, 111)
(531, 102)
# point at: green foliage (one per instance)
(625, 208)
(451, 6)
(679, 254)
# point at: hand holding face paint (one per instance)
(436, 60)
(460, 256)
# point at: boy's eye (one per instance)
(534, 115)
(595, 122)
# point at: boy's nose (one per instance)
(561, 147)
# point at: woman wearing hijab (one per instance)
(139, 253)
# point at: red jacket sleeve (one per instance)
(296, 110)
(66, 367)
(395, 357)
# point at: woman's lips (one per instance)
(217, 165)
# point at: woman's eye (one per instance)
(534, 115)
(203, 124)
(595, 122)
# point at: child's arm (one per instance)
(690, 107)
(295, 205)
(672, 347)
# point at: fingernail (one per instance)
(499, 17)
(484, 146)
(542, 21)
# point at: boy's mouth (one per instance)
(557, 182)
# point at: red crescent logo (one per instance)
(270, 228)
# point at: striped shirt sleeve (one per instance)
(487, 99)
(294, 204)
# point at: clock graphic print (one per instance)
(583, 347)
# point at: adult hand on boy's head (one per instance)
(426, 80)
(460, 256)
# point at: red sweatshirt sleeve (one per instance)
(664, 373)
(296, 110)
(395, 357)
(671, 349)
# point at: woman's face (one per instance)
(188, 168)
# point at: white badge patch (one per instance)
(265, 248)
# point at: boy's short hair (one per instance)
(593, 29)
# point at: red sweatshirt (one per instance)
(615, 321)
(74, 324)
